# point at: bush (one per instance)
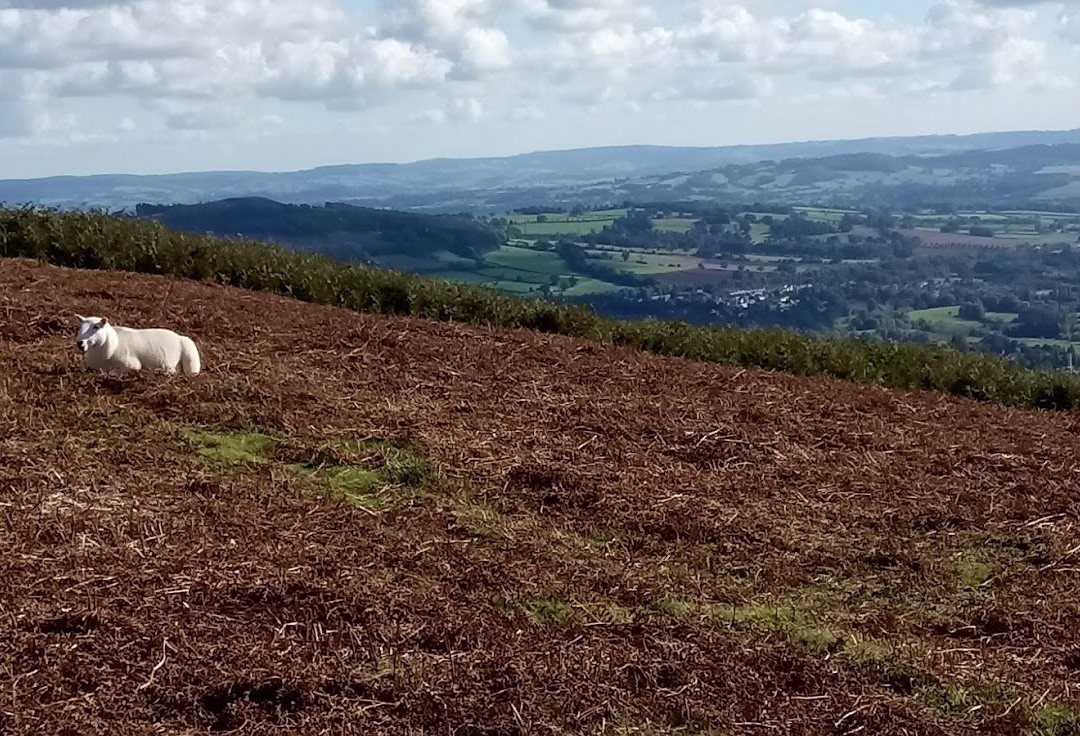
(95, 240)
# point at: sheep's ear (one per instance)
(104, 321)
(80, 318)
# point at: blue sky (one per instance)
(92, 86)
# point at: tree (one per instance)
(1038, 321)
(973, 311)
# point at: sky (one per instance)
(154, 86)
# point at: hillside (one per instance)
(338, 230)
(372, 524)
(544, 177)
(1040, 173)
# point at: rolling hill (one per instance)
(342, 231)
(1032, 174)
(499, 184)
(377, 524)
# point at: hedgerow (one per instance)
(96, 240)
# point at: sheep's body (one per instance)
(123, 350)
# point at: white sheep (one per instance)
(119, 350)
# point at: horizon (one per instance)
(408, 162)
(89, 86)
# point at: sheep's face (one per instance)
(91, 332)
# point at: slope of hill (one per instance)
(338, 230)
(98, 241)
(483, 183)
(367, 524)
(1029, 174)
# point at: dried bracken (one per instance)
(539, 535)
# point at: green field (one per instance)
(674, 224)
(943, 317)
(527, 259)
(517, 270)
(522, 270)
(562, 227)
(824, 214)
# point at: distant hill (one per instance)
(339, 230)
(500, 183)
(1048, 174)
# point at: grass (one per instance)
(366, 473)
(548, 229)
(547, 611)
(235, 448)
(943, 316)
(674, 224)
(95, 240)
(528, 259)
(521, 271)
(973, 572)
(1057, 719)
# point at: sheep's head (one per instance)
(91, 332)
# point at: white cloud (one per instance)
(209, 48)
(17, 119)
(458, 110)
(193, 63)
(1069, 27)
(525, 113)
(429, 116)
(30, 120)
(466, 109)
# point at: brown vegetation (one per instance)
(369, 524)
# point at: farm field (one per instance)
(674, 224)
(522, 270)
(563, 224)
(364, 524)
(943, 316)
(535, 230)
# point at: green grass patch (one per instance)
(527, 259)
(943, 316)
(547, 611)
(799, 626)
(596, 614)
(674, 224)
(553, 228)
(868, 650)
(973, 572)
(1056, 719)
(677, 607)
(233, 448)
(374, 474)
(479, 519)
(759, 233)
(586, 286)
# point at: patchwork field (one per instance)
(362, 524)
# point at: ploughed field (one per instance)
(363, 524)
